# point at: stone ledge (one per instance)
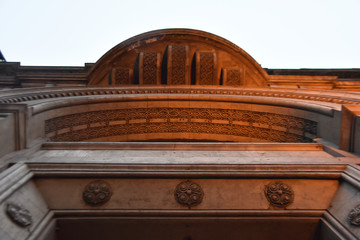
(183, 146)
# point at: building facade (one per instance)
(179, 134)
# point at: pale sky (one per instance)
(276, 33)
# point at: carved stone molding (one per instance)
(279, 194)
(18, 214)
(87, 91)
(269, 126)
(188, 193)
(354, 216)
(97, 193)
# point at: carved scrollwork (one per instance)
(18, 214)
(188, 193)
(354, 216)
(97, 193)
(279, 194)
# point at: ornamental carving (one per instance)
(188, 193)
(150, 67)
(177, 58)
(18, 214)
(354, 216)
(279, 194)
(232, 77)
(110, 91)
(261, 125)
(97, 193)
(207, 68)
(122, 76)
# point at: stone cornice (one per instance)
(41, 94)
(301, 171)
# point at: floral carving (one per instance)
(18, 214)
(97, 193)
(354, 216)
(188, 193)
(279, 194)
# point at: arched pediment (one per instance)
(177, 57)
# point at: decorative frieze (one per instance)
(18, 214)
(188, 193)
(97, 193)
(123, 91)
(279, 194)
(261, 125)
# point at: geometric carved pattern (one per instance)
(18, 214)
(188, 193)
(97, 193)
(122, 76)
(150, 68)
(279, 194)
(354, 216)
(261, 125)
(232, 77)
(177, 64)
(205, 68)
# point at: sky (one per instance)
(276, 33)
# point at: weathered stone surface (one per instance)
(18, 214)
(219, 194)
(169, 106)
(97, 193)
(23, 209)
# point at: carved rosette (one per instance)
(97, 193)
(18, 214)
(188, 193)
(354, 216)
(279, 194)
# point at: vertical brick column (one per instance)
(149, 68)
(178, 70)
(206, 63)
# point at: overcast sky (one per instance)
(277, 33)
